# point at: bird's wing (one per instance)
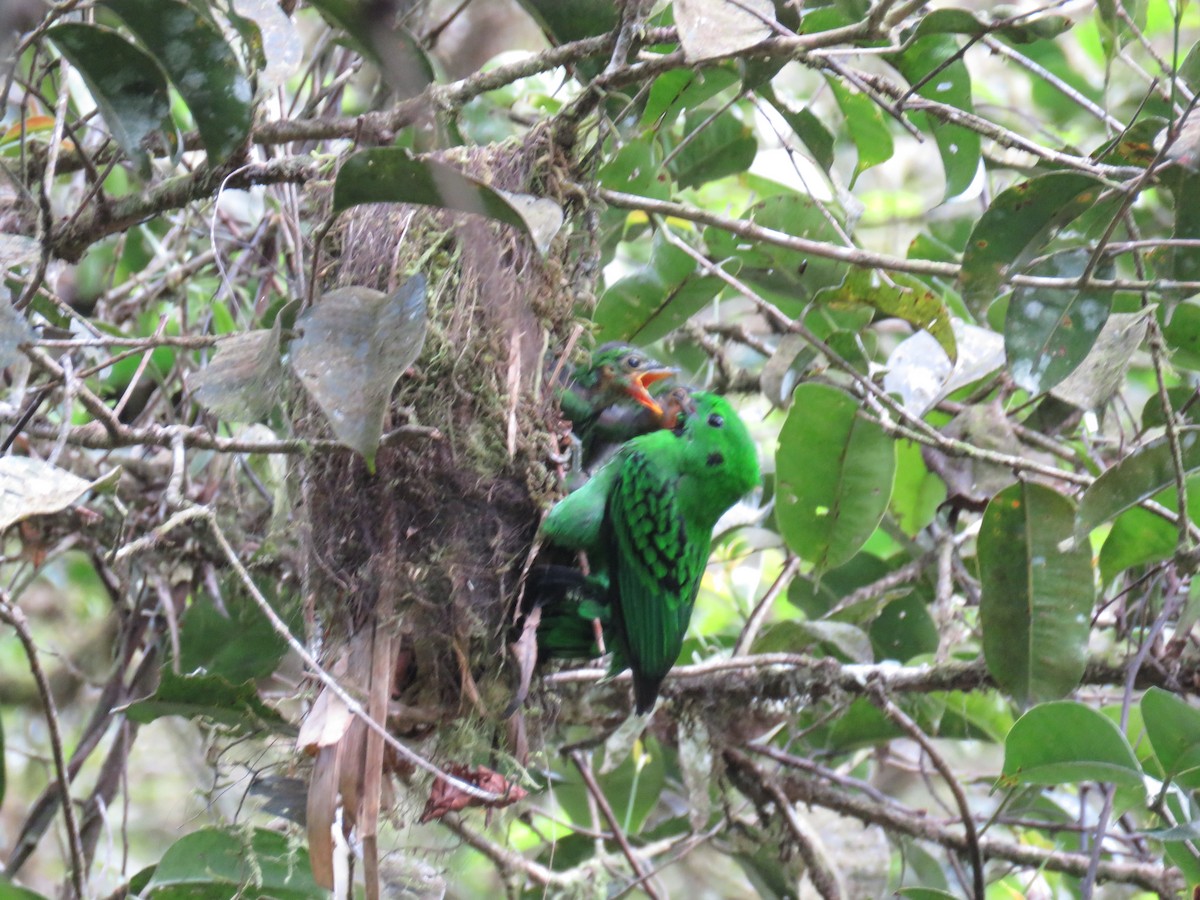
(575, 521)
(656, 564)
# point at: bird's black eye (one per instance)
(715, 459)
(715, 421)
(634, 362)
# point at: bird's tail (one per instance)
(570, 602)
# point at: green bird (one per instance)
(617, 376)
(645, 520)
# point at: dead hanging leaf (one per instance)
(921, 372)
(1102, 371)
(543, 217)
(30, 487)
(445, 797)
(242, 381)
(354, 344)
(713, 28)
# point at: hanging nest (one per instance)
(412, 570)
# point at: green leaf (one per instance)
(920, 893)
(958, 146)
(834, 472)
(714, 148)
(904, 629)
(373, 30)
(921, 308)
(391, 175)
(1137, 477)
(200, 64)
(788, 275)
(239, 644)
(1036, 599)
(680, 90)
(866, 126)
(1048, 332)
(1068, 742)
(1016, 221)
(1173, 726)
(632, 788)
(637, 169)
(207, 696)
(1137, 537)
(709, 30)
(572, 20)
(354, 345)
(126, 83)
(1182, 335)
(841, 639)
(655, 299)
(221, 863)
(917, 493)
(807, 126)
(244, 380)
(10, 891)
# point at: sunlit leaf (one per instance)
(31, 487)
(1036, 599)
(392, 175)
(866, 126)
(921, 307)
(713, 28)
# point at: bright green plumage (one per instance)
(646, 519)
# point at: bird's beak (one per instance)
(643, 380)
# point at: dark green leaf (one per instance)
(681, 90)
(132, 94)
(1048, 332)
(572, 20)
(1068, 742)
(372, 28)
(10, 891)
(223, 863)
(840, 639)
(904, 629)
(958, 146)
(866, 126)
(1036, 599)
(920, 893)
(808, 127)
(714, 148)
(1017, 221)
(354, 344)
(834, 471)
(1173, 726)
(391, 175)
(637, 169)
(207, 696)
(200, 64)
(1182, 334)
(1135, 478)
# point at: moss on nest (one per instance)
(435, 540)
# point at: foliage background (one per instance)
(946, 259)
